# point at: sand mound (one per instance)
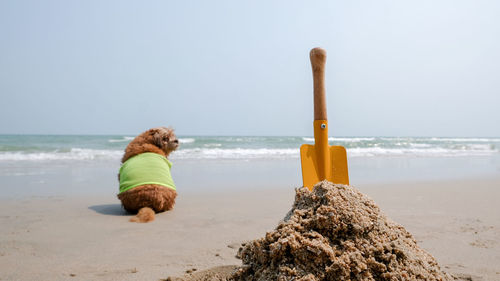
(336, 233)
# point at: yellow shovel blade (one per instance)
(310, 169)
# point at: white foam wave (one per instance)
(420, 145)
(419, 152)
(341, 139)
(73, 154)
(236, 153)
(186, 140)
(352, 139)
(467, 139)
(214, 153)
(124, 139)
(212, 145)
(263, 153)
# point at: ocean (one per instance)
(58, 165)
(83, 148)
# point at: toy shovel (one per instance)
(321, 161)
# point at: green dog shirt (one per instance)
(146, 168)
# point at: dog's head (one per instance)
(165, 139)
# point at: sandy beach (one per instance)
(249, 101)
(90, 238)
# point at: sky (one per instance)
(394, 68)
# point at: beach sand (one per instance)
(89, 237)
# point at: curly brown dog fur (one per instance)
(148, 199)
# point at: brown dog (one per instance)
(154, 195)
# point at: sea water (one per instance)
(57, 165)
(82, 148)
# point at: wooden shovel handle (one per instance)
(318, 61)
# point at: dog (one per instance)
(146, 186)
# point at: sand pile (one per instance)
(336, 233)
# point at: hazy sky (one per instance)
(394, 68)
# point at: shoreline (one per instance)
(86, 178)
(89, 237)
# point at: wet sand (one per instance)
(89, 237)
